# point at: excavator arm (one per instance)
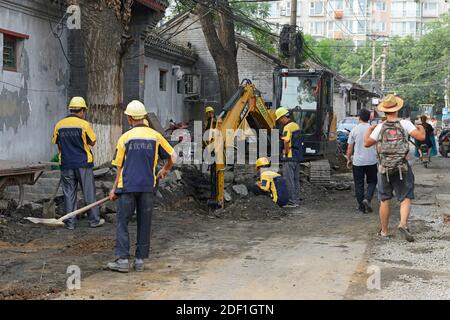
(246, 106)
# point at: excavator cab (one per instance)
(307, 94)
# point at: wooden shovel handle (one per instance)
(84, 209)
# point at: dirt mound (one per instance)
(89, 246)
(23, 291)
(251, 208)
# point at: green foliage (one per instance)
(415, 68)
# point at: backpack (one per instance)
(392, 149)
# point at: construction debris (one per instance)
(240, 189)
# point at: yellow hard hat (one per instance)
(136, 109)
(263, 161)
(77, 103)
(281, 112)
(209, 109)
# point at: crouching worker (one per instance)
(271, 183)
(136, 156)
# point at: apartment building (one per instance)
(355, 19)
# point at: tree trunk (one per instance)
(105, 41)
(222, 46)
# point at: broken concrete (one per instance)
(240, 189)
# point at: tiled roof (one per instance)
(155, 44)
(160, 5)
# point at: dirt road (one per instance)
(321, 251)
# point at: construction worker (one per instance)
(74, 137)
(210, 121)
(209, 124)
(136, 156)
(292, 154)
(270, 182)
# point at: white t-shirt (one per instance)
(362, 156)
(406, 124)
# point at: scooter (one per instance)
(425, 159)
(444, 143)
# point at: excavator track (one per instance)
(320, 172)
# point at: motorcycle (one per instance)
(444, 143)
(342, 139)
(425, 156)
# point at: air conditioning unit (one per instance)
(338, 35)
(338, 14)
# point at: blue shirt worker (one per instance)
(74, 137)
(271, 182)
(292, 154)
(136, 157)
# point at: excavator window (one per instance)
(300, 95)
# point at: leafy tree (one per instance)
(415, 68)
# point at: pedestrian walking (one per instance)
(74, 137)
(395, 175)
(292, 154)
(364, 163)
(137, 153)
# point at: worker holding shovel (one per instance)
(75, 137)
(136, 156)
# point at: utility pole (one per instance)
(293, 33)
(373, 62)
(383, 66)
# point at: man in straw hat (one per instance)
(394, 172)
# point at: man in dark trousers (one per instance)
(137, 153)
(292, 154)
(74, 137)
(364, 162)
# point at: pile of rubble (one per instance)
(187, 189)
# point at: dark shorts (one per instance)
(403, 189)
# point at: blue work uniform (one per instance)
(275, 185)
(136, 157)
(291, 160)
(73, 136)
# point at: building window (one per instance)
(316, 8)
(336, 5)
(361, 27)
(380, 6)
(179, 86)
(191, 84)
(162, 80)
(362, 7)
(403, 28)
(379, 26)
(10, 52)
(430, 9)
(316, 28)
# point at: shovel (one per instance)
(48, 211)
(60, 222)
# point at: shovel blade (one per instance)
(49, 222)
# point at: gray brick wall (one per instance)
(257, 68)
(251, 65)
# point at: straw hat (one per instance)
(390, 103)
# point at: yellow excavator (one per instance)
(308, 95)
(245, 109)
